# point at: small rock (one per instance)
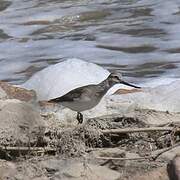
(76, 170)
(14, 92)
(19, 122)
(173, 168)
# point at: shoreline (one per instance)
(34, 135)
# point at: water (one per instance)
(140, 38)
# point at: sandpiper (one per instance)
(87, 97)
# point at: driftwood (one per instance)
(34, 149)
(116, 158)
(10, 153)
(135, 130)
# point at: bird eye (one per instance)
(116, 77)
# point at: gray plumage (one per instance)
(87, 97)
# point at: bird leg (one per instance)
(79, 118)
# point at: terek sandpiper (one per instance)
(87, 97)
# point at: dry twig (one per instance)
(135, 130)
(33, 149)
(116, 158)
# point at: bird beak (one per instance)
(123, 82)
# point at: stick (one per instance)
(115, 158)
(40, 149)
(134, 130)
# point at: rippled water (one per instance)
(140, 38)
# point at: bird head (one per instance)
(115, 78)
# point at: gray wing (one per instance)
(70, 96)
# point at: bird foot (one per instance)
(79, 118)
